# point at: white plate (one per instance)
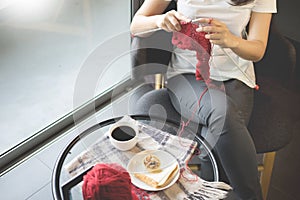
(136, 165)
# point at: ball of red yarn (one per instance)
(107, 182)
(189, 38)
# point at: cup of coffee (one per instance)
(123, 135)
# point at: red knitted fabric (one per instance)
(107, 182)
(189, 38)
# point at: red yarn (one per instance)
(189, 38)
(107, 182)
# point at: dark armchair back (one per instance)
(274, 113)
(150, 55)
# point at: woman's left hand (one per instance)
(218, 33)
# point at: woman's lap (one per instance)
(224, 111)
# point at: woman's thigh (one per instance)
(193, 100)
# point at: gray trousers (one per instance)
(223, 115)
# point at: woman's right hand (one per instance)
(170, 21)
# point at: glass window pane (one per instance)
(45, 46)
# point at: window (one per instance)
(55, 56)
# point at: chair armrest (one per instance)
(279, 61)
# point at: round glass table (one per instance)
(76, 158)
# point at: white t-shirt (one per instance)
(223, 61)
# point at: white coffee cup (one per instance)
(123, 135)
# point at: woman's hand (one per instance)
(218, 33)
(252, 48)
(170, 21)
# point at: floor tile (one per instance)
(24, 180)
(43, 193)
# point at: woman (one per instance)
(224, 113)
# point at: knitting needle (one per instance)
(254, 85)
(157, 29)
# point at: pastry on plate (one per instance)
(152, 163)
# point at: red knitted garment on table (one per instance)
(189, 38)
(108, 182)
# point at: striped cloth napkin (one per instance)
(188, 187)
